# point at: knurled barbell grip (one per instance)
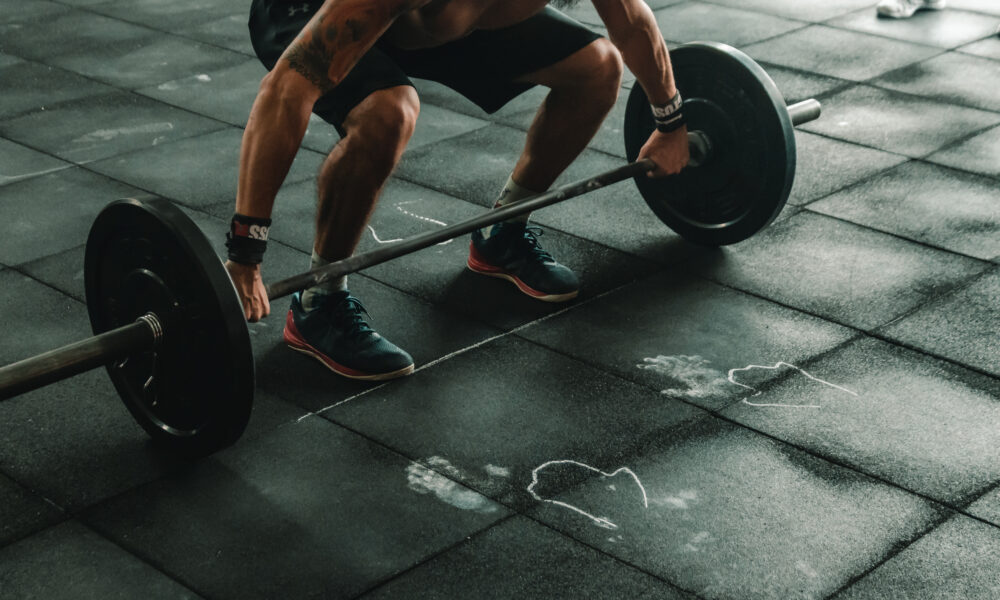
(55, 365)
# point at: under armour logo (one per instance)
(292, 11)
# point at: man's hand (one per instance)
(668, 150)
(250, 286)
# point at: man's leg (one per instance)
(583, 89)
(326, 322)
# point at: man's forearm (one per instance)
(272, 138)
(633, 30)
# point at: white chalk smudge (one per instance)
(679, 501)
(804, 568)
(10, 178)
(424, 480)
(168, 86)
(106, 135)
(774, 367)
(203, 77)
(381, 241)
(599, 521)
(495, 471)
(700, 380)
(399, 206)
(693, 545)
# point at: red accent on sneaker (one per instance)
(295, 341)
(477, 263)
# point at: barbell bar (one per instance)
(170, 328)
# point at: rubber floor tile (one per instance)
(896, 122)
(225, 94)
(30, 86)
(22, 512)
(984, 6)
(796, 85)
(987, 507)
(964, 326)
(891, 413)
(796, 9)
(683, 336)
(988, 48)
(954, 78)
(840, 271)
(18, 162)
(957, 560)
(839, 53)
(70, 561)
(148, 62)
(170, 16)
(229, 32)
(197, 171)
(511, 408)
(824, 165)
(69, 33)
(310, 510)
(944, 29)
(980, 154)
(50, 213)
(521, 559)
(16, 12)
(906, 201)
(726, 513)
(99, 127)
(698, 21)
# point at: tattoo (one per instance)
(357, 29)
(311, 57)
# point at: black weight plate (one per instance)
(745, 183)
(194, 393)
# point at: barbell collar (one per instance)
(55, 365)
(805, 111)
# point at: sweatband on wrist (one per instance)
(668, 117)
(247, 239)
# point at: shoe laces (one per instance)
(349, 315)
(531, 246)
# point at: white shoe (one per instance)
(904, 9)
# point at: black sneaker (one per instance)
(336, 334)
(512, 253)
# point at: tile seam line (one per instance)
(461, 351)
(923, 244)
(434, 555)
(90, 9)
(961, 102)
(772, 14)
(874, 331)
(895, 551)
(513, 509)
(831, 25)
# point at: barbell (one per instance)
(170, 328)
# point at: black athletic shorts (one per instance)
(481, 66)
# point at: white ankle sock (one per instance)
(512, 192)
(309, 295)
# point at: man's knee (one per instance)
(381, 126)
(605, 64)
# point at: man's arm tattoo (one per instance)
(312, 57)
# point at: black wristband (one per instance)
(247, 239)
(668, 117)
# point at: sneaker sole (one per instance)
(295, 341)
(491, 271)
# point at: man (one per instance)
(348, 61)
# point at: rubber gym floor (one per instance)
(811, 413)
